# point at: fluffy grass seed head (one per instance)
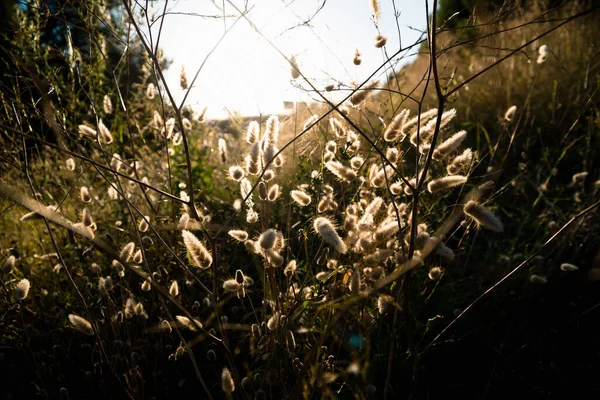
(361, 95)
(567, 267)
(231, 285)
(87, 131)
(538, 279)
(380, 40)
(222, 145)
(268, 175)
(337, 127)
(579, 177)
(107, 104)
(290, 269)
(310, 121)
(375, 9)
(22, 289)
(356, 162)
(268, 238)
(245, 189)
(342, 172)
(227, 383)
(70, 164)
(449, 145)
(174, 289)
(187, 323)
(357, 61)
(445, 182)
(394, 131)
(196, 250)
(294, 69)
(150, 91)
(127, 251)
(325, 229)
(81, 324)
(271, 135)
(542, 54)
(460, 162)
(8, 265)
(273, 193)
(183, 82)
(105, 284)
(301, 198)
(482, 216)
(236, 172)
(252, 135)
(510, 113)
(143, 224)
(105, 134)
(239, 235)
(146, 285)
(84, 194)
(435, 273)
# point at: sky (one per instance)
(246, 75)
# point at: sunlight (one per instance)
(246, 75)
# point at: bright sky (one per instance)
(246, 75)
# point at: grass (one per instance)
(388, 291)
